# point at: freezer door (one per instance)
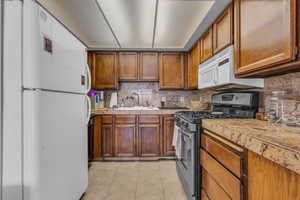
(55, 146)
(53, 58)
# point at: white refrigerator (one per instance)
(46, 108)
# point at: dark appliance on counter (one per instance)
(224, 105)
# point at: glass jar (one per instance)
(292, 118)
(283, 108)
(275, 106)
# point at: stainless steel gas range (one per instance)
(224, 105)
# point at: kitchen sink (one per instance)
(137, 108)
(174, 108)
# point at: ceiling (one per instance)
(136, 24)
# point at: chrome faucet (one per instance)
(138, 97)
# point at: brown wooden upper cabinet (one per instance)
(134, 66)
(193, 65)
(104, 70)
(207, 45)
(223, 30)
(265, 36)
(128, 66)
(171, 74)
(148, 68)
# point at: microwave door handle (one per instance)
(214, 76)
(217, 75)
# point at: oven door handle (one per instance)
(189, 136)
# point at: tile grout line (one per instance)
(162, 182)
(111, 183)
(136, 181)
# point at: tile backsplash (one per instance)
(150, 95)
(288, 82)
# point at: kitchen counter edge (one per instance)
(278, 143)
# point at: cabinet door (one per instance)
(193, 65)
(149, 140)
(268, 180)
(168, 136)
(97, 139)
(104, 71)
(223, 30)
(107, 140)
(226, 180)
(171, 71)
(212, 188)
(128, 66)
(264, 34)
(148, 70)
(125, 140)
(207, 45)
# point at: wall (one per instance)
(150, 95)
(288, 82)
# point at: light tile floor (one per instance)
(156, 180)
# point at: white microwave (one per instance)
(218, 73)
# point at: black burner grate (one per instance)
(195, 117)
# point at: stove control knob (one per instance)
(186, 125)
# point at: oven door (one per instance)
(186, 162)
(186, 150)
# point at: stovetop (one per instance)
(196, 116)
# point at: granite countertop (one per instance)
(137, 112)
(278, 143)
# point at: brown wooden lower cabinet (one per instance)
(268, 180)
(133, 136)
(212, 189)
(97, 140)
(149, 140)
(224, 168)
(107, 144)
(125, 140)
(230, 172)
(168, 132)
(226, 180)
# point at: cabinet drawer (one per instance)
(149, 119)
(230, 184)
(107, 119)
(223, 154)
(212, 189)
(125, 119)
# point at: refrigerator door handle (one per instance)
(89, 77)
(89, 109)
